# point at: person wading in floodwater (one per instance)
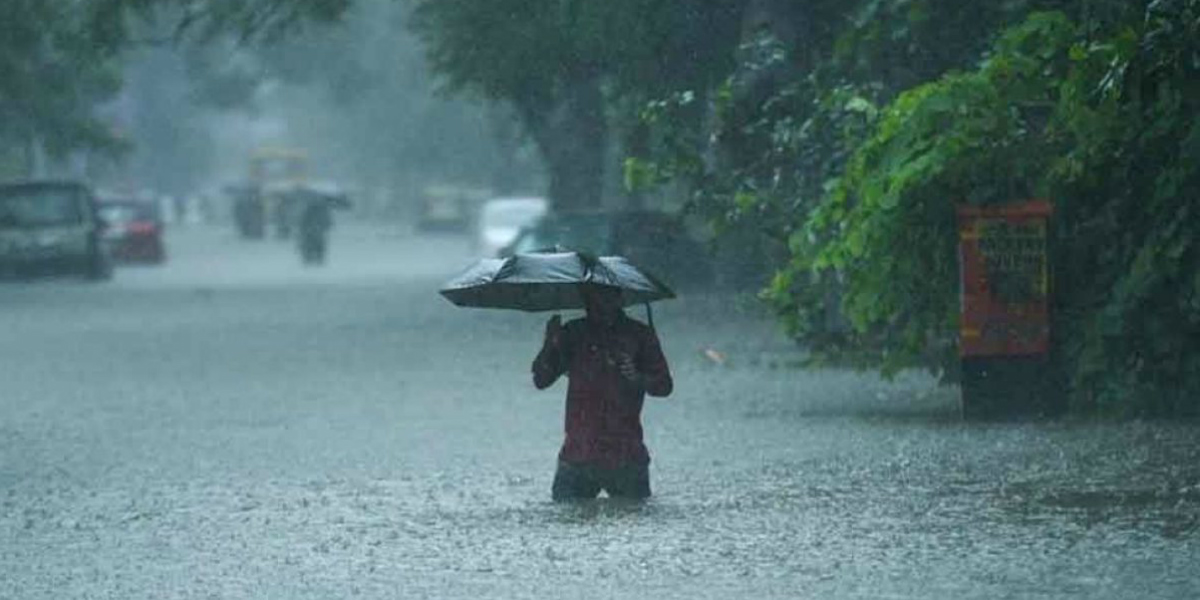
(316, 219)
(612, 362)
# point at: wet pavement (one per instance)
(234, 425)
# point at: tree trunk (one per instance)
(506, 134)
(571, 133)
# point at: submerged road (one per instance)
(232, 425)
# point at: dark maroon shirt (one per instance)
(604, 409)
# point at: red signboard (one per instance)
(1005, 279)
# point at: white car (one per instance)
(501, 219)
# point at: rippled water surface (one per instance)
(234, 426)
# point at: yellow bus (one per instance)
(272, 170)
(278, 165)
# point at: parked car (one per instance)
(653, 240)
(51, 227)
(134, 229)
(500, 221)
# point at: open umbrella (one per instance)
(549, 281)
(311, 192)
(336, 198)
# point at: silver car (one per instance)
(51, 227)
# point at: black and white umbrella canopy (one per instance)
(538, 282)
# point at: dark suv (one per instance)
(653, 240)
(51, 227)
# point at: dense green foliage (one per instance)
(887, 227)
(1128, 179)
(61, 61)
(1106, 128)
(52, 74)
(853, 164)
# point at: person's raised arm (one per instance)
(551, 361)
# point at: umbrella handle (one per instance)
(650, 316)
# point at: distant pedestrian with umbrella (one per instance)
(611, 360)
(315, 218)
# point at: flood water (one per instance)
(233, 425)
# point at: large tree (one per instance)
(59, 61)
(52, 74)
(566, 66)
(369, 102)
